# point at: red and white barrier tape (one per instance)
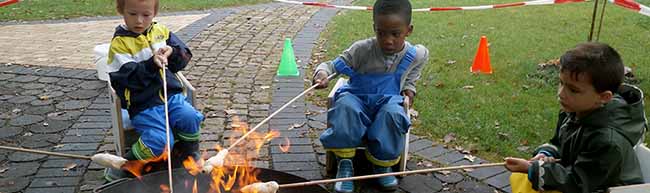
(632, 5)
(479, 7)
(628, 4)
(8, 2)
(497, 6)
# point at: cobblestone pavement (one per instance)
(54, 109)
(68, 44)
(236, 53)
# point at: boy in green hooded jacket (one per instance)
(600, 122)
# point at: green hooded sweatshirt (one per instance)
(596, 151)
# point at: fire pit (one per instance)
(184, 182)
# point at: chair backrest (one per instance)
(330, 97)
(643, 154)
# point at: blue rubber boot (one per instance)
(345, 170)
(386, 183)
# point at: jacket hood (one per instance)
(625, 113)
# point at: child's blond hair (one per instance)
(120, 5)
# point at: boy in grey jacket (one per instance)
(369, 108)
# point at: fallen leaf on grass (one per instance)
(449, 137)
(413, 113)
(523, 142)
(451, 61)
(503, 135)
(468, 87)
(69, 166)
(523, 148)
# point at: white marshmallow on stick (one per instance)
(261, 187)
(108, 160)
(215, 161)
(102, 159)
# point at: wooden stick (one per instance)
(168, 146)
(300, 184)
(45, 152)
(276, 112)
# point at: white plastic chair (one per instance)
(643, 154)
(123, 132)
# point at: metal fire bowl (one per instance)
(183, 183)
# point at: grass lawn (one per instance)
(509, 110)
(64, 9)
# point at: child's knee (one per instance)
(348, 102)
(151, 145)
(190, 117)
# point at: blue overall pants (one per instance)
(369, 109)
(184, 122)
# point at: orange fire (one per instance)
(136, 167)
(237, 170)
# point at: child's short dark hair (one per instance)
(119, 5)
(386, 7)
(599, 61)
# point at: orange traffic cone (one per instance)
(482, 59)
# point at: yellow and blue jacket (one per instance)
(138, 81)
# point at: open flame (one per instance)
(238, 167)
(137, 167)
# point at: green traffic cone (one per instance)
(288, 65)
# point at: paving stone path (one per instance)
(59, 105)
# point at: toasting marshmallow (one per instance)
(261, 187)
(108, 160)
(215, 161)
